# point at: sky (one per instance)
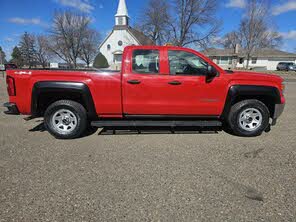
(34, 16)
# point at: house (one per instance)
(264, 59)
(121, 36)
(59, 65)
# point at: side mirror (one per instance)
(212, 72)
(2, 67)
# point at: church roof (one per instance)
(122, 9)
(139, 36)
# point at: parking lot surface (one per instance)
(147, 177)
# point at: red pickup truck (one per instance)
(158, 86)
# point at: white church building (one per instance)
(121, 36)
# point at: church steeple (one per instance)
(121, 17)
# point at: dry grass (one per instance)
(283, 74)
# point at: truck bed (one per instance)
(104, 86)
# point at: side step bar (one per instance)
(155, 123)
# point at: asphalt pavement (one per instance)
(155, 176)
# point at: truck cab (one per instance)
(158, 86)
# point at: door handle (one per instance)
(134, 81)
(175, 83)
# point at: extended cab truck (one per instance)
(158, 86)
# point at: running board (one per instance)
(155, 123)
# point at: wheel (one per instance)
(248, 118)
(65, 119)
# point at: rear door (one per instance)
(143, 83)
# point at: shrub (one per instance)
(100, 61)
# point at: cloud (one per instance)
(289, 35)
(101, 6)
(288, 6)
(81, 5)
(236, 4)
(8, 39)
(24, 21)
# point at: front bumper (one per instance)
(278, 110)
(12, 109)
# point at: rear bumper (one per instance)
(11, 109)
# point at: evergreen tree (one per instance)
(100, 61)
(16, 57)
(27, 48)
(2, 56)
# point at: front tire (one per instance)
(65, 119)
(248, 118)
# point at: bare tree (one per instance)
(194, 22)
(68, 31)
(231, 40)
(254, 28)
(182, 22)
(271, 39)
(43, 54)
(27, 47)
(89, 46)
(154, 21)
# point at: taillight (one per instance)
(10, 86)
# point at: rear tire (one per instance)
(65, 119)
(248, 118)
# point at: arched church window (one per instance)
(108, 46)
(120, 43)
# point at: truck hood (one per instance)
(258, 76)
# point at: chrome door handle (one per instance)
(175, 83)
(134, 81)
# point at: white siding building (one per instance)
(265, 59)
(121, 36)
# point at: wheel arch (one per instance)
(45, 93)
(269, 95)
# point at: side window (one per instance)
(146, 61)
(186, 63)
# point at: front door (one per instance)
(193, 94)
